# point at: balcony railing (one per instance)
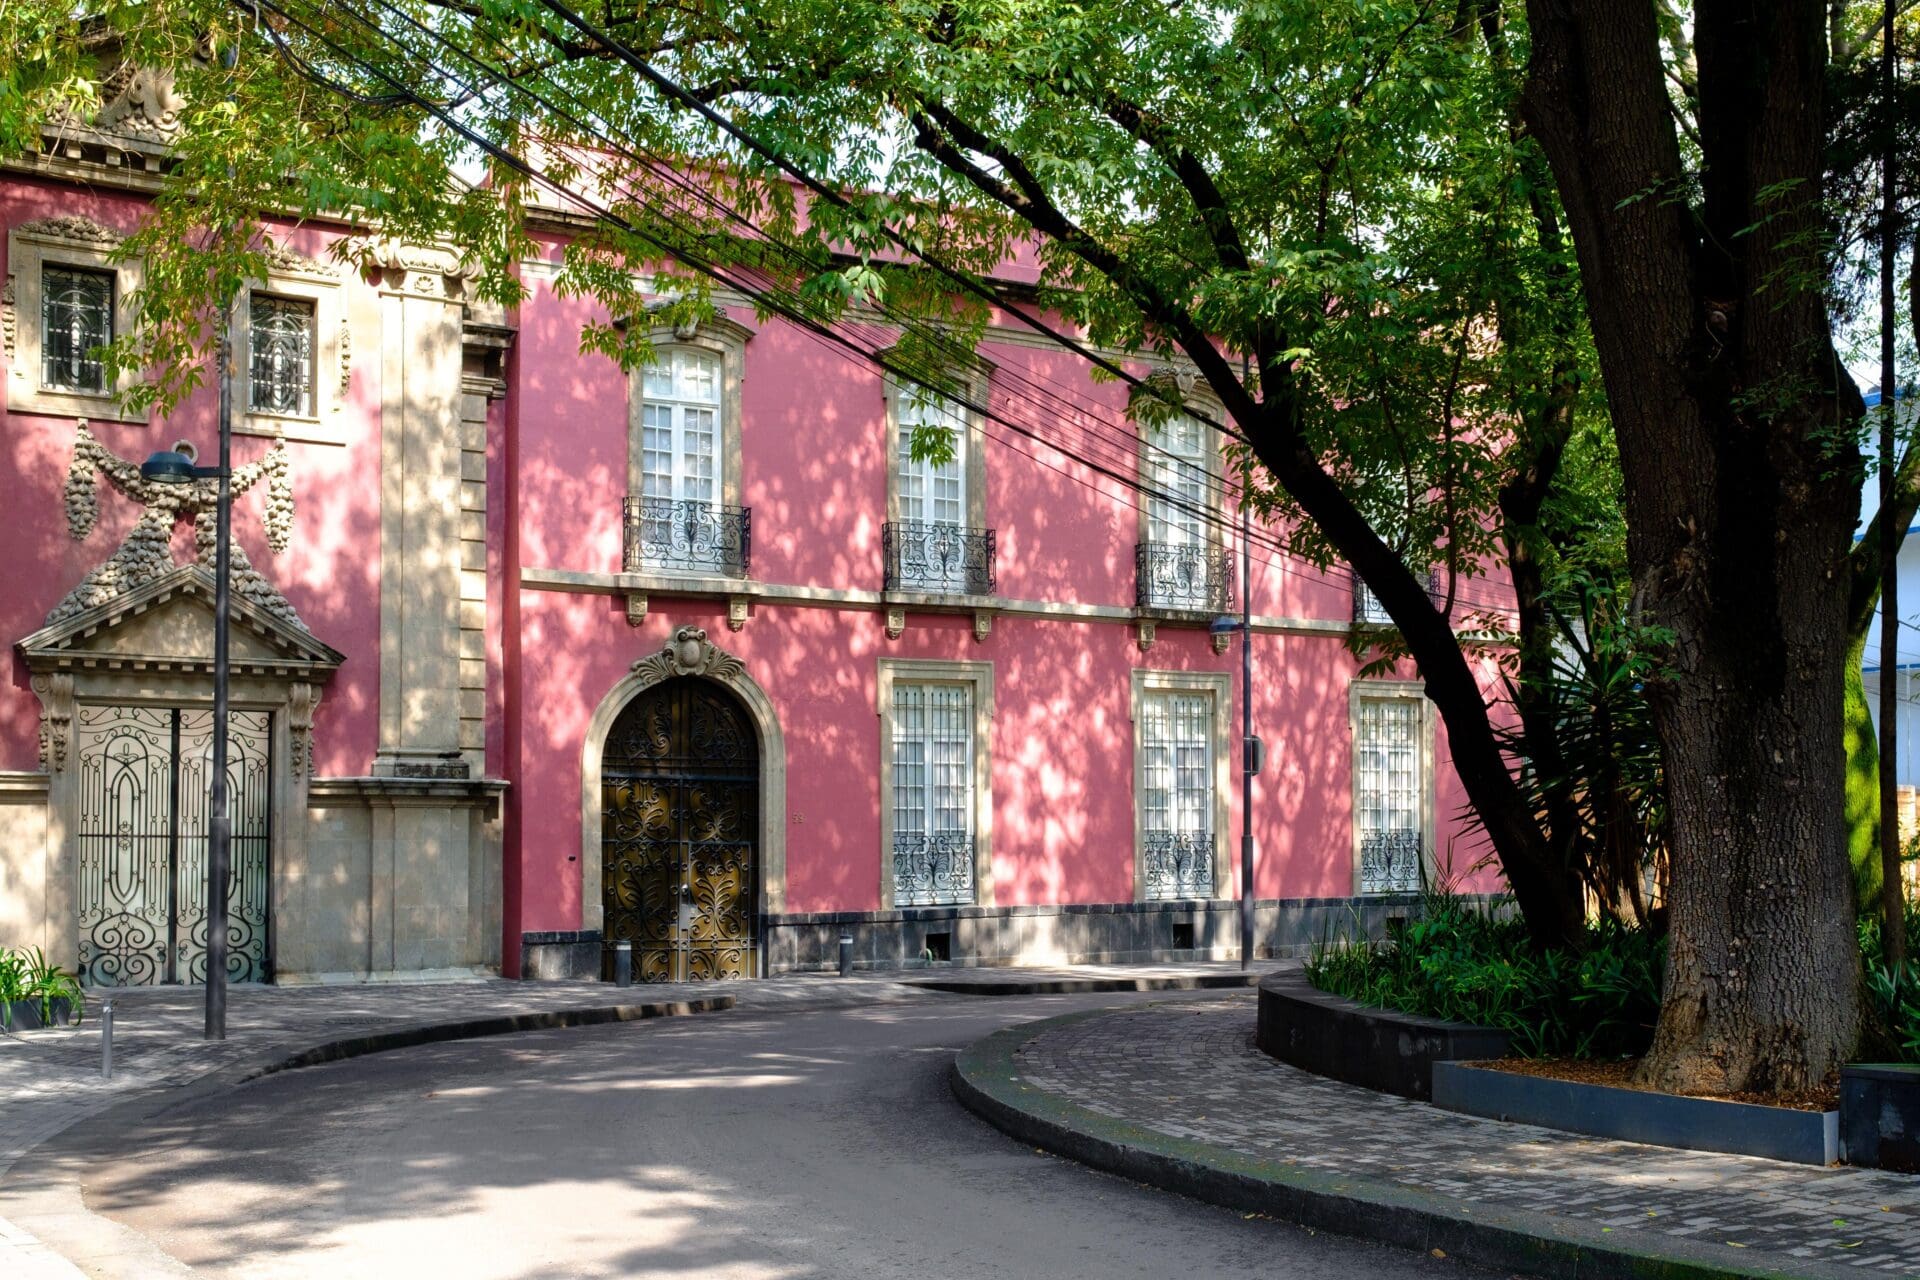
(1179, 864)
(1174, 576)
(688, 537)
(1390, 862)
(938, 557)
(1368, 609)
(932, 869)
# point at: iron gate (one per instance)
(145, 776)
(680, 795)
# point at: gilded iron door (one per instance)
(680, 788)
(143, 775)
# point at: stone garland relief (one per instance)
(55, 690)
(147, 551)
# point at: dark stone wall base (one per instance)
(560, 955)
(1376, 1048)
(1082, 933)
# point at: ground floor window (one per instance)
(1177, 800)
(1389, 791)
(933, 793)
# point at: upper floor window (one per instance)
(683, 512)
(1180, 561)
(67, 296)
(76, 319)
(291, 353)
(280, 352)
(935, 539)
(1390, 774)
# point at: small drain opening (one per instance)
(1183, 935)
(939, 947)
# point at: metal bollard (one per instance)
(623, 964)
(846, 953)
(106, 1039)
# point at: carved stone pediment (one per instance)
(690, 653)
(166, 624)
(74, 228)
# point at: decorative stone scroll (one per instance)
(147, 551)
(301, 701)
(141, 102)
(690, 653)
(55, 690)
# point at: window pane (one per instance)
(76, 316)
(1176, 799)
(280, 342)
(1387, 795)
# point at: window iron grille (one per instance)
(1195, 577)
(76, 320)
(1368, 609)
(280, 355)
(698, 537)
(932, 869)
(1390, 862)
(1179, 864)
(938, 558)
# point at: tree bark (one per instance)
(1735, 421)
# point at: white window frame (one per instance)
(80, 243)
(1154, 522)
(969, 448)
(1413, 693)
(719, 337)
(296, 279)
(978, 677)
(1217, 686)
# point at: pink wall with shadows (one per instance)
(330, 573)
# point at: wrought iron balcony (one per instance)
(1175, 576)
(932, 869)
(1179, 864)
(688, 537)
(1368, 609)
(938, 558)
(1390, 862)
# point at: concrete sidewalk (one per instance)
(50, 1080)
(1177, 1095)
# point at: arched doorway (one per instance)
(680, 818)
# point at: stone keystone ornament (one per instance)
(690, 653)
(147, 551)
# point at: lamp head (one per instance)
(1224, 625)
(171, 466)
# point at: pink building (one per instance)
(544, 657)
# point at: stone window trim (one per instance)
(296, 279)
(976, 383)
(70, 241)
(1359, 691)
(1218, 685)
(931, 671)
(718, 335)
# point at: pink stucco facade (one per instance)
(552, 607)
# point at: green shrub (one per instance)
(1893, 994)
(25, 974)
(1471, 963)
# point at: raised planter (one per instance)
(24, 1015)
(1880, 1116)
(1637, 1115)
(1376, 1048)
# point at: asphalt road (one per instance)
(734, 1146)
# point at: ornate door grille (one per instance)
(680, 795)
(144, 786)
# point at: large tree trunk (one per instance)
(1734, 422)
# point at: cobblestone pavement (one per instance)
(1192, 1072)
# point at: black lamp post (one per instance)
(176, 466)
(1252, 750)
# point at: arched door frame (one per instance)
(689, 653)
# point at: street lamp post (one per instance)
(1252, 750)
(176, 466)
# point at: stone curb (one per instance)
(1079, 986)
(986, 1080)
